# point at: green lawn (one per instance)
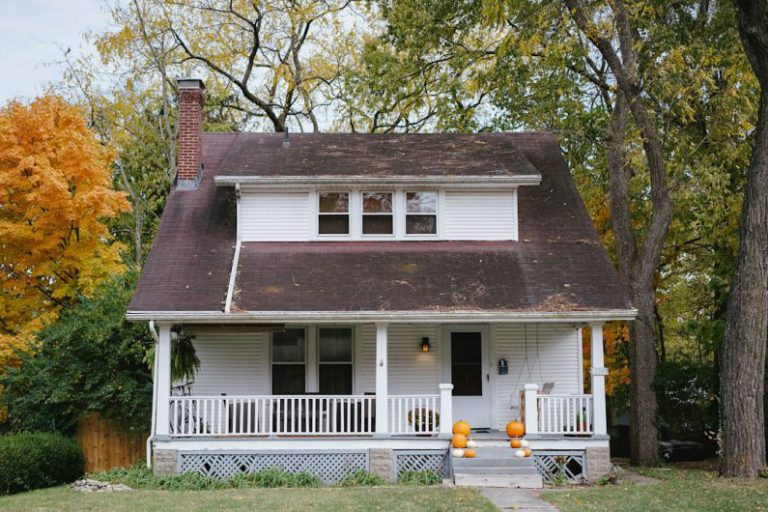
(321, 499)
(677, 490)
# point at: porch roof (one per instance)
(557, 269)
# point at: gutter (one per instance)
(484, 182)
(151, 437)
(358, 317)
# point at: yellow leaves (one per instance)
(55, 192)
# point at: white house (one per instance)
(351, 295)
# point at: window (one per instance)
(421, 213)
(333, 218)
(288, 362)
(377, 213)
(335, 361)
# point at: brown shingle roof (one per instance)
(558, 264)
(375, 155)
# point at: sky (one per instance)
(33, 35)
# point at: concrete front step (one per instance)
(498, 480)
(496, 452)
(494, 470)
(507, 462)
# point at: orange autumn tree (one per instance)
(615, 341)
(55, 194)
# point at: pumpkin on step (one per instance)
(527, 452)
(469, 454)
(461, 427)
(459, 441)
(515, 443)
(458, 453)
(515, 429)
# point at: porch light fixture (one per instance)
(425, 344)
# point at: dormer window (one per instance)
(333, 216)
(421, 213)
(377, 213)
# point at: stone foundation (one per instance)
(164, 462)
(382, 462)
(598, 462)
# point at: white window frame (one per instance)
(306, 361)
(438, 201)
(349, 214)
(393, 214)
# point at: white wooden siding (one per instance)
(275, 216)
(234, 363)
(462, 215)
(557, 361)
(480, 215)
(410, 370)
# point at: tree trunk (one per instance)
(744, 344)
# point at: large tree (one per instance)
(744, 344)
(55, 196)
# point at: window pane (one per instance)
(335, 379)
(377, 202)
(333, 225)
(334, 202)
(335, 345)
(467, 380)
(377, 224)
(288, 379)
(288, 346)
(421, 202)
(421, 224)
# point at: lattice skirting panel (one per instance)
(421, 460)
(330, 467)
(561, 465)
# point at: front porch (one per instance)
(382, 425)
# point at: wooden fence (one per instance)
(107, 446)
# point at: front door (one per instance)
(470, 377)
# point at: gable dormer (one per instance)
(334, 187)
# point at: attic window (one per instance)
(333, 218)
(421, 213)
(377, 213)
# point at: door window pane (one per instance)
(466, 363)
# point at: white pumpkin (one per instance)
(524, 443)
(458, 453)
(471, 444)
(520, 453)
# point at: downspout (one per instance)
(235, 258)
(151, 437)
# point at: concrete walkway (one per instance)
(525, 500)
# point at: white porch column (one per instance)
(163, 361)
(446, 410)
(382, 389)
(598, 371)
(531, 409)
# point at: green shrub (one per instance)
(35, 460)
(141, 477)
(362, 478)
(426, 477)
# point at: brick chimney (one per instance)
(189, 167)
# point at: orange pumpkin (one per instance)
(515, 443)
(461, 427)
(528, 452)
(469, 454)
(459, 441)
(515, 429)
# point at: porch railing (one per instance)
(414, 414)
(565, 414)
(300, 415)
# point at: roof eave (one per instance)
(334, 180)
(218, 317)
